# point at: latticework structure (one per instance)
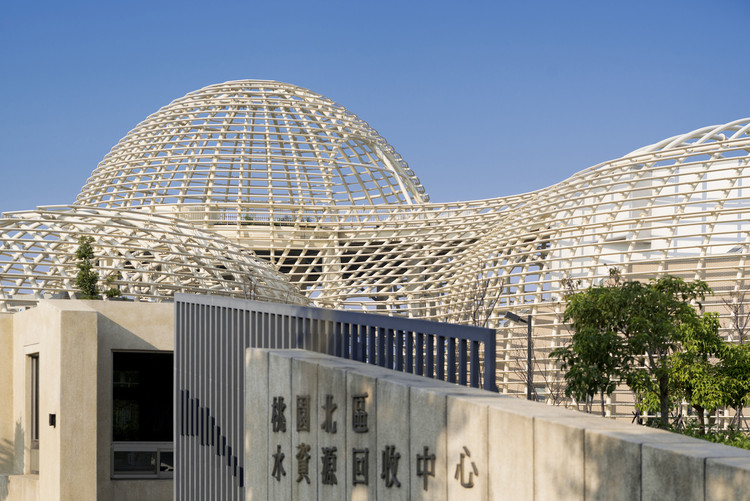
(252, 141)
(312, 189)
(144, 257)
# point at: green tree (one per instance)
(87, 279)
(112, 290)
(658, 315)
(594, 359)
(735, 367)
(697, 375)
(629, 330)
(736, 357)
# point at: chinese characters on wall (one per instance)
(391, 455)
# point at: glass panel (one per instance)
(135, 462)
(34, 397)
(166, 461)
(142, 397)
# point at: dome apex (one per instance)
(252, 141)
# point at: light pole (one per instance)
(529, 367)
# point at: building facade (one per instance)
(87, 410)
(331, 214)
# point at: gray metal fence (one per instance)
(212, 333)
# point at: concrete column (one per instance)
(256, 424)
(394, 458)
(612, 465)
(511, 453)
(304, 463)
(7, 428)
(428, 444)
(280, 459)
(677, 470)
(467, 448)
(727, 478)
(361, 453)
(332, 408)
(558, 459)
(75, 417)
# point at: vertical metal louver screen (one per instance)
(212, 334)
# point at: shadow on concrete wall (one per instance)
(7, 455)
(12, 452)
(3, 487)
(11, 459)
(120, 335)
(20, 448)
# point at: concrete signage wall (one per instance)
(319, 427)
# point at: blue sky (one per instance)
(482, 98)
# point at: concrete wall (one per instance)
(65, 342)
(521, 450)
(74, 340)
(126, 326)
(6, 395)
(8, 467)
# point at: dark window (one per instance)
(33, 406)
(142, 397)
(34, 395)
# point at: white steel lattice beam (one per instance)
(315, 191)
(151, 256)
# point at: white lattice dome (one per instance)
(149, 257)
(705, 138)
(252, 141)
